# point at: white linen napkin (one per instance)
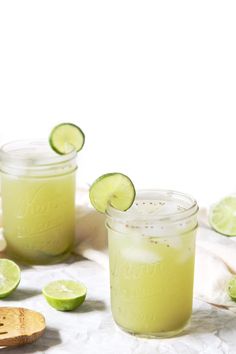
(215, 260)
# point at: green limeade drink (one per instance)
(38, 201)
(151, 252)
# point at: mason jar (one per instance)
(38, 201)
(151, 254)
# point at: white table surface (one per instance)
(90, 329)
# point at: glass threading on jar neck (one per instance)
(155, 212)
(34, 159)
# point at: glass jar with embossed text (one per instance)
(38, 201)
(151, 254)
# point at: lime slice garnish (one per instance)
(114, 188)
(9, 277)
(66, 137)
(232, 288)
(65, 295)
(222, 216)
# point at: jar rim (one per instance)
(34, 154)
(156, 195)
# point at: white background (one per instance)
(151, 83)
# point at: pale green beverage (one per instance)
(151, 252)
(38, 202)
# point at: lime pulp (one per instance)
(9, 277)
(65, 295)
(222, 216)
(66, 137)
(114, 188)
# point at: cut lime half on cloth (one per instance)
(114, 188)
(9, 277)
(66, 137)
(232, 288)
(222, 216)
(65, 295)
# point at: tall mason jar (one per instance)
(38, 201)
(151, 254)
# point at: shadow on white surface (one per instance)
(91, 305)
(50, 338)
(22, 294)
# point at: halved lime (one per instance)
(114, 188)
(9, 277)
(232, 288)
(222, 216)
(65, 295)
(66, 137)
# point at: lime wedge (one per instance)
(66, 137)
(9, 277)
(222, 216)
(232, 288)
(114, 188)
(65, 295)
